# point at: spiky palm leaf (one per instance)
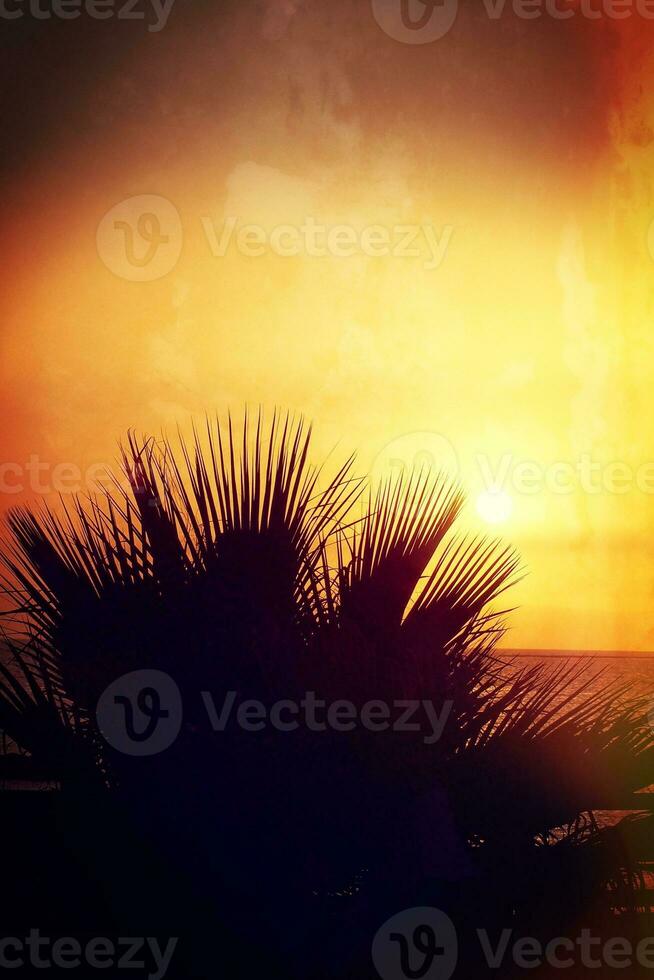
(232, 564)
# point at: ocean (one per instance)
(636, 669)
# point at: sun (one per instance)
(494, 506)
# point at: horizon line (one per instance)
(563, 651)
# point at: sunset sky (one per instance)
(515, 347)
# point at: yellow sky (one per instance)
(514, 347)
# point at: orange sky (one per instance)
(514, 346)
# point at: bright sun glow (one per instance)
(494, 506)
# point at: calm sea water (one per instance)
(635, 669)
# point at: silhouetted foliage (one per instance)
(232, 564)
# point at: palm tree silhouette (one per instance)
(231, 564)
